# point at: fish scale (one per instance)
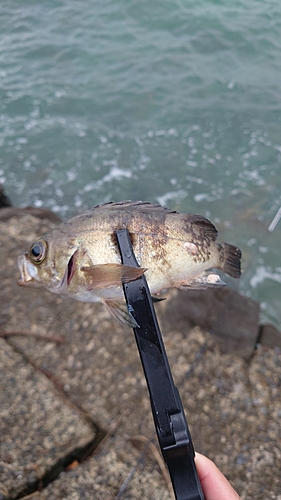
(80, 258)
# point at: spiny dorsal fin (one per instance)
(206, 228)
(141, 206)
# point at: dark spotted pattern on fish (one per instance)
(82, 258)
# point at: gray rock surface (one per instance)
(94, 378)
(38, 428)
(230, 317)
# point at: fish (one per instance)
(80, 258)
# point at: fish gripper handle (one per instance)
(169, 418)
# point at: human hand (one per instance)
(214, 484)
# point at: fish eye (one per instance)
(38, 251)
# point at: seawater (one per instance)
(176, 102)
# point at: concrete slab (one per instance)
(38, 430)
(119, 471)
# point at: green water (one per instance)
(175, 101)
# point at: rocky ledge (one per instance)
(75, 416)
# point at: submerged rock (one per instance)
(4, 200)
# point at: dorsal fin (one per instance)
(141, 206)
(206, 228)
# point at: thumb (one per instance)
(214, 484)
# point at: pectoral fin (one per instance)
(105, 275)
(120, 311)
(203, 282)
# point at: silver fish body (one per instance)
(81, 259)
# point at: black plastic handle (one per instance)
(169, 418)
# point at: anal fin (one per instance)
(203, 282)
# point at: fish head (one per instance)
(50, 263)
(62, 263)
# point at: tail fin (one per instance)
(231, 256)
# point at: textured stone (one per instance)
(230, 317)
(37, 428)
(232, 405)
(270, 336)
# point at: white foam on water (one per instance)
(263, 273)
(201, 196)
(216, 195)
(115, 173)
(171, 195)
(38, 203)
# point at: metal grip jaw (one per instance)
(169, 418)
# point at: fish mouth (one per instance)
(28, 272)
